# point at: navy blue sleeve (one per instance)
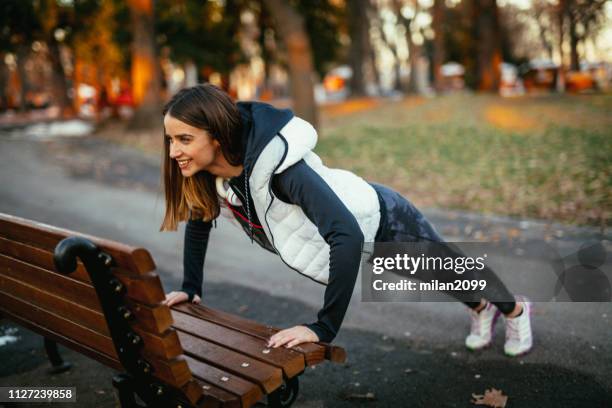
(194, 252)
(301, 185)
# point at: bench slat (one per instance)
(64, 286)
(156, 319)
(165, 345)
(68, 329)
(314, 353)
(146, 288)
(248, 392)
(216, 397)
(267, 376)
(136, 260)
(89, 318)
(60, 338)
(174, 372)
(290, 361)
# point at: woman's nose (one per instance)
(174, 151)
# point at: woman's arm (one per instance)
(194, 253)
(301, 185)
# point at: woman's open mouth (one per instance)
(183, 163)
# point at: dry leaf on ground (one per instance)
(491, 398)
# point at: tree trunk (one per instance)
(371, 52)
(4, 79)
(539, 12)
(488, 39)
(146, 83)
(561, 72)
(24, 86)
(60, 84)
(414, 51)
(359, 32)
(414, 55)
(573, 37)
(439, 50)
(290, 26)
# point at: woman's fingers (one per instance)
(295, 342)
(175, 297)
(292, 337)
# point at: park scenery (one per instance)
(491, 116)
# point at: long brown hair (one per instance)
(205, 107)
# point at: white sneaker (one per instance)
(481, 328)
(519, 338)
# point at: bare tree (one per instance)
(146, 75)
(290, 25)
(584, 19)
(359, 29)
(488, 58)
(414, 50)
(439, 52)
(542, 17)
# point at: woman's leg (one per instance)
(405, 223)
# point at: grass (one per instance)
(546, 157)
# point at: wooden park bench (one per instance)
(103, 299)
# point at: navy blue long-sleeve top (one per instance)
(302, 186)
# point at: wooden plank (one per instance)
(217, 396)
(155, 319)
(314, 353)
(38, 257)
(146, 288)
(248, 392)
(44, 259)
(58, 324)
(165, 345)
(137, 260)
(174, 372)
(60, 338)
(64, 286)
(268, 377)
(191, 389)
(290, 361)
(73, 311)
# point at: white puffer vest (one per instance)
(295, 237)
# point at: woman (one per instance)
(258, 162)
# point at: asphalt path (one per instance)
(400, 354)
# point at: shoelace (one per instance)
(512, 331)
(476, 323)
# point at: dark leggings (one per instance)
(403, 222)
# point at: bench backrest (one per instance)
(66, 308)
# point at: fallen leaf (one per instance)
(492, 398)
(363, 397)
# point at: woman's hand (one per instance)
(292, 337)
(177, 297)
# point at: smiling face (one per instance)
(193, 149)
